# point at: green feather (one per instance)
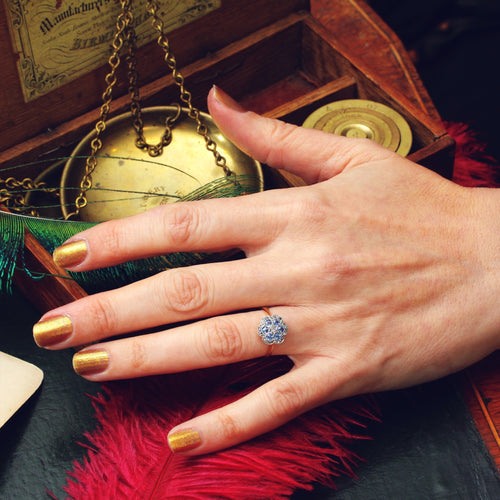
(51, 233)
(11, 242)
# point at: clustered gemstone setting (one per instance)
(272, 329)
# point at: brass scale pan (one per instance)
(128, 181)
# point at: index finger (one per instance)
(212, 225)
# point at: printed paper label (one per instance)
(60, 40)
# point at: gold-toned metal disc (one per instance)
(365, 119)
(127, 180)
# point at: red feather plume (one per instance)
(129, 456)
(473, 166)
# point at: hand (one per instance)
(385, 273)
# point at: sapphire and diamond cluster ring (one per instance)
(272, 330)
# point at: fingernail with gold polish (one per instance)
(90, 362)
(184, 440)
(70, 254)
(52, 331)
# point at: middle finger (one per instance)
(169, 297)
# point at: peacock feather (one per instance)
(51, 233)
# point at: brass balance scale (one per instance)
(158, 155)
(141, 159)
(142, 135)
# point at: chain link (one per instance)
(123, 21)
(185, 95)
(13, 194)
(135, 107)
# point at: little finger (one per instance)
(266, 408)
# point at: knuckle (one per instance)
(186, 291)
(285, 399)
(230, 429)
(138, 355)
(283, 134)
(181, 222)
(335, 265)
(363, 150)
(223, 341)
(112, 242)
(312, 211)
(101, 315)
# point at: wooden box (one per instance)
(281, 59)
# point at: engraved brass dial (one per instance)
(364, 119)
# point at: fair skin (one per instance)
(386, 274)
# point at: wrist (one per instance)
(485, 219)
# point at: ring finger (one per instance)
(215, 341)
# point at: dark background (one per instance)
(455, 45)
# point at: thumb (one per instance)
(311, 154)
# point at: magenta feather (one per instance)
(473, 167)
(129, 456)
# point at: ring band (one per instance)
(272, 330)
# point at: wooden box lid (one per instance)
(221, 23)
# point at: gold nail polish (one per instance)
(89, 362)
(70, 254)
(52, 331)
(183, 440)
